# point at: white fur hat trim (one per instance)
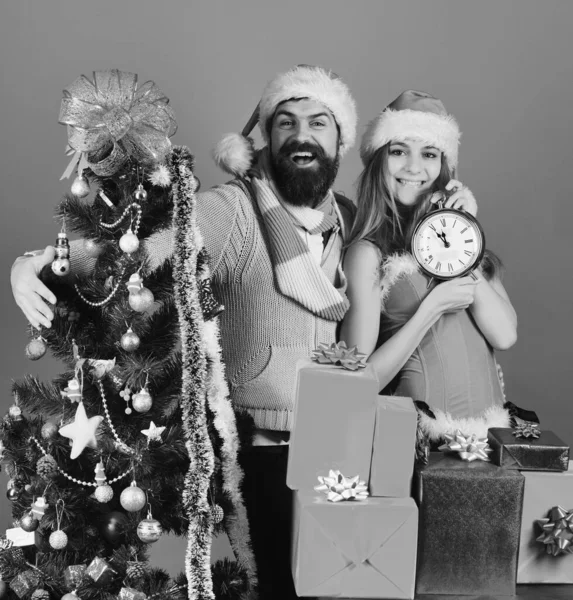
(390, 125)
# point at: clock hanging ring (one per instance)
(448, 243)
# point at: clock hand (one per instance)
(442, 236)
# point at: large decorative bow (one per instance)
(340, 355)
(469, 448)
(111, 114)
(557, 531)
(337, 487)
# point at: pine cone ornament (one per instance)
(47, 467)
(41, 595)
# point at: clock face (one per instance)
(448, 243)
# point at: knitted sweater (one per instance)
(263, 332)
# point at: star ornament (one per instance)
(82, 431)
(469, 448)
(153, 433)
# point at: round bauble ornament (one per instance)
(142, 401)
(142, 300)
(41, 595)
(103, 493)
(130, 340)
(140, 194)
(129, 242)
(80, 187)
(36, 348)
(218, 513)
(149, 530)
(47, 467)
(70, 596)
(3, 589)
(13, 494)
(49, 431)
(15, 412)
(29, 522)
(92, 248)
(113, 527)
(61, 266)
(58, 540)
(133, 498)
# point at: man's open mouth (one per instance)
(303, 159)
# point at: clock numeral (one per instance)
(438, 266)
(454, 223)
(430, 258)
(468, 241)
(432, 227)
(463, 263)
(450, 268)
(443, 222)
(468, 252)
(464, 230)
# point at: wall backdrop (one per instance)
(504, 68)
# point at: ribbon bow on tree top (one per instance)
(337, 487)
(557, 531)
(469, 448)
(111, 113)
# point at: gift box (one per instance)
(543, 492)
(24, 584)
(470, 520)
(352, 549)
(545, 453)
(333, 427)
(394, 446)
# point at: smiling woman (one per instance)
(431, 342)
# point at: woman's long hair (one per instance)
(385, 222)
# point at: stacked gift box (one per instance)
(347, 439)
(485, 513)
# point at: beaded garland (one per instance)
(79, 481)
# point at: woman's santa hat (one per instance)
(235, 152)
(413, 116)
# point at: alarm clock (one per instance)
(448, 243)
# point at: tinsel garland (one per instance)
(225, 424)
(193, 392)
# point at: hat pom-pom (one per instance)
(234, 154)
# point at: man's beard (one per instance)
(303, 186)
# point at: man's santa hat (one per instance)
(235, 152)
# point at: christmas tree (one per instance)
(137, 437)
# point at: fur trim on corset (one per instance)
(392, 268)
(441, 131)
(435, 429)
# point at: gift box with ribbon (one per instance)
(334, 414)
(470, 520)
(348, 545)
(528, 448)
(394, 447)
(546, 546)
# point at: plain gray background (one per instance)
(503, 68)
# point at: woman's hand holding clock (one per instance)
(458, 196)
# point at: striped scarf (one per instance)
(297, 274)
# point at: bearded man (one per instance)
(274, 236)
